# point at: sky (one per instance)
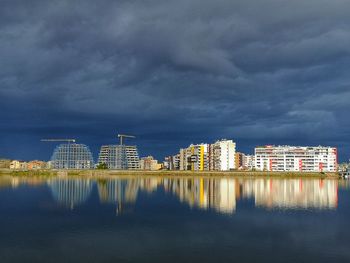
(173, 73)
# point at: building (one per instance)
(5, 163)
(296, 158)
(239, 160)
(149, 163)
(18, 165)
(120, 157)
(35, 165)
(72, 156)
(172, 162)
(248, 162)
(222, 155)
(194, 158)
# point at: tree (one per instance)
(102, 166)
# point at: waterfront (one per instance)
(157, 219)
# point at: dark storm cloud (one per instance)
(174, 72)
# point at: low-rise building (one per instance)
(248, 162)
(18, 165)
(36, 165)
(149, 163)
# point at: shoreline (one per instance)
(162, 173)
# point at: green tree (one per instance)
(102, 166)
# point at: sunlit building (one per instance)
(296, 159)
(72, 156)
(248, 161)
(149, 163)
(195, 157)
(18, 165)
(222, 155)
(120, 157)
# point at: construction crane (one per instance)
(58, 140)
(121, 136)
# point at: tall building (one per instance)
(172, 162)
(121, 157)
(194, 158)
(72, 156)
(296, 158)
(222, 155)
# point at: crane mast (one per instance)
(122, 136)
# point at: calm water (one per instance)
(174, 220)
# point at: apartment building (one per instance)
(120, 157)
(296, 158)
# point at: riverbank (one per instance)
(103, 173)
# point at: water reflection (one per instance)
(218, 194)
(70, 192)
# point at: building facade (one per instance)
(149, 163)
(120, 157)
(239, 160)
(296, 158)
(194, 158)
(222, 155)
(72, 156)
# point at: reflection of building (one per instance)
(292, 158)
(296, 193)
(205, 193)
(72, 156)
(121, 157)
(70, 192)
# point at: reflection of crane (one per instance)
(121, 136)
(58, 140)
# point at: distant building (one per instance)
(296, 158)
(172, 162)
(120, 157)
(149, 163)
(72, 156)
(219, 156)
(18, 165)
(36, 165)
(222, 155)
(5, 163)
(248, 162)
(239, 160)
(194, 158)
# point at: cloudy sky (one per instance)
(174, 73)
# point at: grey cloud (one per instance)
(256, 71)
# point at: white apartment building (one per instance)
(248, 161)
(222, 155)
(296, 158)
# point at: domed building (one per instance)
(72, 156)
